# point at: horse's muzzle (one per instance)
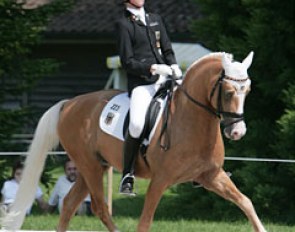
(235, 131)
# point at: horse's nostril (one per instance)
(235, 133)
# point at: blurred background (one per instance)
(57, 49)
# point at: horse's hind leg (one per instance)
(223, 186)
(92, 173)
(71, 203)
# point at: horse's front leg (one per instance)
(223, 186)
(153, 196)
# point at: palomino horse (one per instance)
(214, 89)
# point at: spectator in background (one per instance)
(10, 188)
(63, 186)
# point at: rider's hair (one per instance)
(17, 165)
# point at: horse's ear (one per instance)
(248, 60)
(226, 61)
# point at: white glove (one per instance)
(161, 80)
(161, 69)
(177, 71)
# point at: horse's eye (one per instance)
(228, 95)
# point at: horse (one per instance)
(213, 90)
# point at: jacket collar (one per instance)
(135, 18)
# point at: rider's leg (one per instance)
(130, 150)
(139, 103)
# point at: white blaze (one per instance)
(241, 88)
(238, 72)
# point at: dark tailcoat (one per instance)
(141, 46)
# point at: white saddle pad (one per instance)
(114, 113)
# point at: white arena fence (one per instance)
(110, 172)
(26, 139)
(247, 159)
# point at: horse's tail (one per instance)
(45, 139)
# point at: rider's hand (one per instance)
(161, 80)
(177, 71)
(161, 69)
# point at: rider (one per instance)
(147, 56)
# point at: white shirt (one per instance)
(138, 12)
(10, 189)
(61, 189)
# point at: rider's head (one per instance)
(135, 3)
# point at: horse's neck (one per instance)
(195, 122)
(194, 119)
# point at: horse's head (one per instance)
(234, 85)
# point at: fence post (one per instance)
(110, 190)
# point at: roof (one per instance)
(97, 17)
(186, 54)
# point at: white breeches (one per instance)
(141, 98)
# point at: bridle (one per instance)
(216, 112)
(219, 111)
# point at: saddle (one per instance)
(114, 119)
(155, 109)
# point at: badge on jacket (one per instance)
(154, 24)
(158, 38)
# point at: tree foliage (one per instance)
(267, 28)
(20, 31)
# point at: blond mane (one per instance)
(210, 56)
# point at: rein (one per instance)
(170, 87)
(219, 111)
(216, 112)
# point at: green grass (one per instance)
(128, 224)
(174, 214)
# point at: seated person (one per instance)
(63, 186)
(10, 188)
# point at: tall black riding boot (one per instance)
(131, 148)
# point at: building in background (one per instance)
(84, 37)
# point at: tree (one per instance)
(21, 29)
(267, 28)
